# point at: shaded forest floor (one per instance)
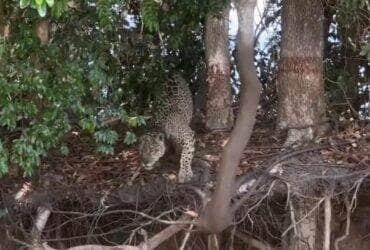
(83, 187)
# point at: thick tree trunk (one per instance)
(300, 76)
(301, 92)
(219, 114)
(218, 214)
(303, 235)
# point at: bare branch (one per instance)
(97, 247)
(157, 219)
(186, 238)
(212, 242)
(304, 217)
(151, 243)
(292, 217)
(327, 229)
(217, 215)
(354, 197)
(22, 243)
(162, 236)
(238, 204)
(253, 242)
(348, 225)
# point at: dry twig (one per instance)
(348, 225)
(186, 238)
(327, 229)
(304, 217)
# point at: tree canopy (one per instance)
(75, 64)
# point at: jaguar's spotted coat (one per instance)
(172, 122)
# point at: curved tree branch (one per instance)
(151, 243)
(218, 215)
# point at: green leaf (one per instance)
(130, 138)
(64, 150)
(88, 125)
(106, 136)
(33, 5)
(106, 149)
(150, 15)
(24, 3)
(3, 212)
(39, 2)
(42, 9)
(133, 122)
(141, 121)
(58, 8)
(3, 159)
(2, 46)
(123, 115)
(365, 51)
(50, 3)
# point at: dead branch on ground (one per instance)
(327, 220)
(151, 243)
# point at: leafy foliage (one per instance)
(4, 155)
(106, 138)
(108, 59)
(150, 15)
(268, 37)
(99, 60)
(365, 50)
(347, 70)
(57, 6)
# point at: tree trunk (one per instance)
(303, 218)
(219, 114)
(300, 78)
(218, 214)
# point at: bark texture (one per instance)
(300, 78)
(303, 217)
(219, 114)
(218, 214)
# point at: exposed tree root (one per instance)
(150, 220)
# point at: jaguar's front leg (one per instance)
(187, 153)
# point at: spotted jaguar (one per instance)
(171, 123)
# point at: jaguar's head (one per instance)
(152, 147)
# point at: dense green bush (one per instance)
(103, 60)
